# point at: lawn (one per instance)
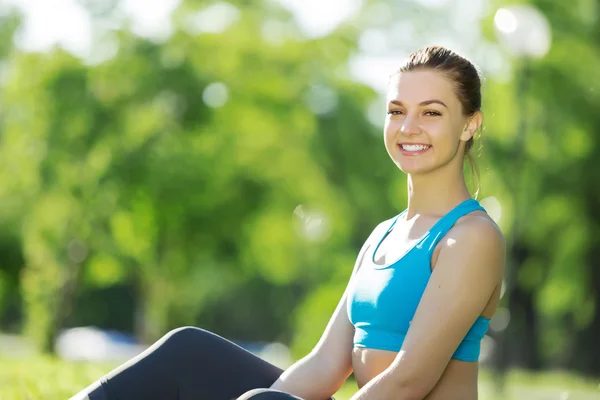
(48, 378)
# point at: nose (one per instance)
(410, 126)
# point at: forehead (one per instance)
(418, 86)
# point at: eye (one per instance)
(433, 113)
(394, 112)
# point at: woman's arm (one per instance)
(324, 370)
(469, 268)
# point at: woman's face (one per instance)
(425, 128)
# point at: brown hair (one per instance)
(465, 77)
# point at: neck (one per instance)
(436, 193)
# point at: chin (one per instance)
(412, 167)
(415, 171)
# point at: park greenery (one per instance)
(227, 178)
(49, 378)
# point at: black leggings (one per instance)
(190, 364)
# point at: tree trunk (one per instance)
(517, 344)
(586, 353)
(152, 310)
(525, 331)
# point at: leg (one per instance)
(267, 394)
(187, 363)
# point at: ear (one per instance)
(473, 124)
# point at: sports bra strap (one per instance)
(394, 222)
(441, 228)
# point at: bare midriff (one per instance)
(458, 382)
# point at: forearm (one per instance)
(386, 386)
(311, 379)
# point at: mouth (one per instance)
(413, 149)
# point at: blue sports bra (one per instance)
(382, 299)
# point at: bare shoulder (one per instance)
(476, 241)
(478, 227)
(382, 227)
(378, 232)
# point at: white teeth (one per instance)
(414, 147)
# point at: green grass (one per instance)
(40, 377)
(525, 386)
(48, 378)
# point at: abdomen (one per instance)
(458, 382)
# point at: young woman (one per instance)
(420, 298)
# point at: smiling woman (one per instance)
(422, 300)
(424, 287)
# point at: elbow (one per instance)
(333, 372)
(412, 392)
(414, 389)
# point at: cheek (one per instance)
(443, 131)
(437, 125)
(390, 128)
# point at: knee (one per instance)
(185, 332)
(267, 394)
(185, 337)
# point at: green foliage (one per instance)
(228, 179)
(128, 160)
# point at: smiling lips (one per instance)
(413, 149)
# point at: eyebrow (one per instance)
(423, 103)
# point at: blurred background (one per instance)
(220, 163)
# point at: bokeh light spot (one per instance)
(215, 95)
